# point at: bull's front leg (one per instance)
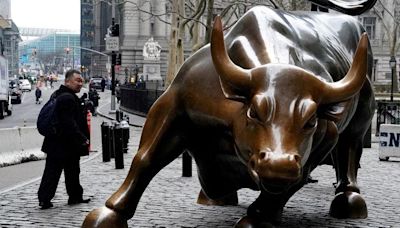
(348, 203)
(160, 144)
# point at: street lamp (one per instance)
(392, 64)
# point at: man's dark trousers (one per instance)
(51, 176)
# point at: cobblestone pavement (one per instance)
(170, 200)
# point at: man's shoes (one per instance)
(45, 205)
(77, 201)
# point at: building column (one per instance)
(159, 9)
(145, 18)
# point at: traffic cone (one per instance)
(88, 118)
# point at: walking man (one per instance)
(65, 148)
(38, 94)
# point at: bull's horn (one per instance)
(354, 79)
(235, 81)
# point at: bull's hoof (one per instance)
(348, 205)
(231, 200)
(248, 222)
(104, 217)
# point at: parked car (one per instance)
(25, 85)
(15, 92)
(95, 83)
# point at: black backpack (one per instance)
(47, 119)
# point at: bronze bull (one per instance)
(262, 113)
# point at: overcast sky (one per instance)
(62, 14)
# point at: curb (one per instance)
(100, 113)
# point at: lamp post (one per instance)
(392, 64)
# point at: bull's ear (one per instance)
(334, 112)
(232, 92)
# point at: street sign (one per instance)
(112, 43)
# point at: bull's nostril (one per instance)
(295, 157)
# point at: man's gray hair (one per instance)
(71, 72)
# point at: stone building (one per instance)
(9, 38)
(144, 20)
(375, 27)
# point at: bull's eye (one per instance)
(251, 113)
(311, 123)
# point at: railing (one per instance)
(138, 100)
(388, 112)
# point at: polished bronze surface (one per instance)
(260, 108)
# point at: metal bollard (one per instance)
(186, 164)
(125, 135)
(112, 140)
(119, 115)
(118, 142)
(105, 141)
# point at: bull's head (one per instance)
(281, 110)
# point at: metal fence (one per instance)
(388, 112)
(137, 100)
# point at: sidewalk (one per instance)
(170, 200)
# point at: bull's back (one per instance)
(319, 42)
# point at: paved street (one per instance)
(169, 201)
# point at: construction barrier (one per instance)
(389, 141)
(20, 144)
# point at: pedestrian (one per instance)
(51, 81)
(117, 92)
(86, 103)
(103, 84)
(38, 94)
(94, 98)
(67, 145)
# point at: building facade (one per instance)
(9, 41)
(138, 26)
(55, 52)
(385, 15)
(5, 9)
(87, 36)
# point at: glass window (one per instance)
(369, 25)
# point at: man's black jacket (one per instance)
(72, 129)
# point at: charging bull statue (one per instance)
(260, 108)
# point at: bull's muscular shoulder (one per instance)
(318, 42)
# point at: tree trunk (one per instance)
(210, 17)
(393, 53)
(172, 44)
(180, 58)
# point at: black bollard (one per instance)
(118, 142)
(125, 135)
(117, 115)
(105, 141)
(186, 164)
(112, 139)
